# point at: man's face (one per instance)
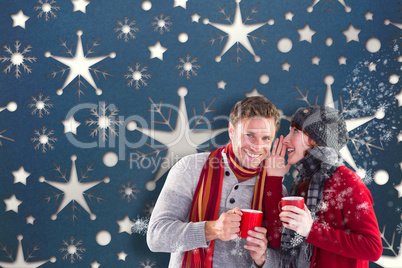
(252, 139)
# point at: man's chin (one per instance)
(252, 165)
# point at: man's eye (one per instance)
(249, 135)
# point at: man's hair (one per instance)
(256, 106)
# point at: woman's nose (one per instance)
(286, 139)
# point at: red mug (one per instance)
(297, 201)
(251, 218)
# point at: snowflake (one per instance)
(128, 191)
(140, 226)
(44, 139)
(237, 249)
(399, 228)
(104, 121)
(398, 209)
(364, 207)
(72, 249)
(296, 240)
(127, 29)
(46, 9)
(161, 23)
(324, 206)
(148, 263)
(136, 76)
(187, 66)
(149, 207)
(39, 105)
(17, 58)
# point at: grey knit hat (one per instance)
(325, 125)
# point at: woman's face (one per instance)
(297, 144)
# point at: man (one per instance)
(197, 215)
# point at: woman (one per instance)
(338, 227)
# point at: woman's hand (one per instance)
(297, 219)
(257, 244)
(275, 163)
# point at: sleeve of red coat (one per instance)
(348, 226)
(273, 194)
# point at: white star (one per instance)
(180, 140)
(221, 84)
(285, 66)
(20, 175)
(73, 190)
(306, 33)
(195, 17)
(79, 65)
(30, 219)
(122, 256)
(368, 15)
(125, 225)
(315, 60)
(157, 51)
(399, 189)
(180, 3)
(70, 125)
(21, 262)
(237, 32)
(19, 19)
(253, 93)
(399, 98)
(95, 264)
(351, 33)
(399, 136)
(12, 203)
(342, 60)
(80, 5)
(289, 16)
(372, 66)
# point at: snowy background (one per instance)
(98, 99)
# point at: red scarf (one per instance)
(207, 196)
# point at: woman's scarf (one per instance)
(207, 196)
(318, 165)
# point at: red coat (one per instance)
(346, 233)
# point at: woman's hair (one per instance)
(298, 127)
(304, 185)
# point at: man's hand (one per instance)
(275, 163)
(257, 244)
(226, 228)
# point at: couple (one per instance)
(197, 215)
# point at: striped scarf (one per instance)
(207, 196)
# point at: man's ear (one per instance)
(231, 131)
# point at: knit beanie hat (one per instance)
(325, 125)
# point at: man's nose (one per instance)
(258, 144)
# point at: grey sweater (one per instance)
(170, 231)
